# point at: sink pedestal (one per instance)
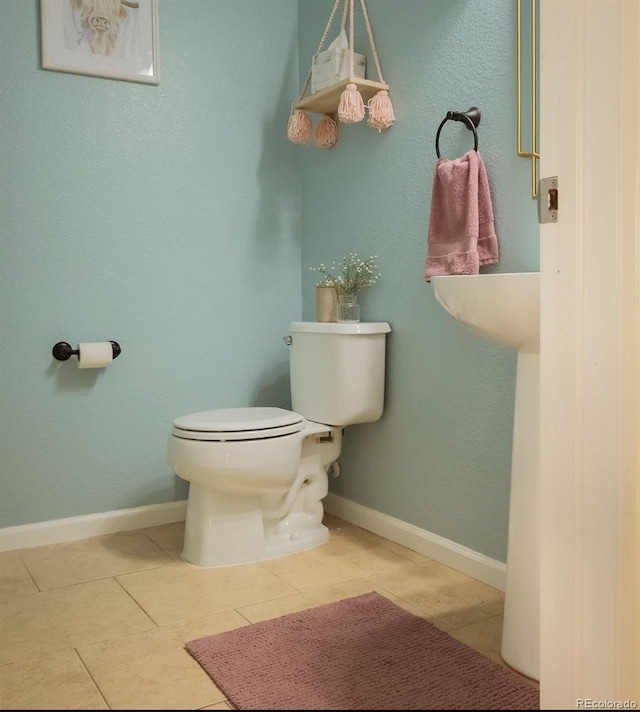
(521, 628)
(505, 309)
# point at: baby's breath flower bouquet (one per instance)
(350, 275)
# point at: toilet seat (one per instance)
(237, 424)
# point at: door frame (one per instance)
(590, 354)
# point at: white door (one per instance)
(590, 355)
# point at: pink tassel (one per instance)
(299, 128)
(326, 132)
(381, 114)
(351, 108)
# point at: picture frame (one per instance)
(115, 39)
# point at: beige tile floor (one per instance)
(101, 623)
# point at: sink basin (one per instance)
(503, 308)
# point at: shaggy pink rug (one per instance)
(360, 653)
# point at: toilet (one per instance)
(257, 476)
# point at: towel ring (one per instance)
(470, 118)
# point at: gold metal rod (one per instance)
(519, 77)
(533, 154)
(534, 107)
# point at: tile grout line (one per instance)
(95, 684)
(138, 604)
(23, 562)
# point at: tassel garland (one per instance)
(326, 132)
(299, 127)
(351, 107)
(381, 115)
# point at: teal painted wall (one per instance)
(169, 218)
(164, 217)
(440, 456)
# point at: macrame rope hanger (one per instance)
(351, 107)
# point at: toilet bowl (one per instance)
(258, 475)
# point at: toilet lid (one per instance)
(238, 424)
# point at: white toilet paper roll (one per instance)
(97, 354)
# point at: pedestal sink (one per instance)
(505, 309)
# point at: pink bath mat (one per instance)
(360, 653)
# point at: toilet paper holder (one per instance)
(63, 351)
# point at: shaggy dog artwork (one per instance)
(102, 27)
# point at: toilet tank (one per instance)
(337, 371)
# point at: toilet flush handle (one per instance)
(287, 340)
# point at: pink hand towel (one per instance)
(488, 252)
(461, 226)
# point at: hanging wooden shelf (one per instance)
(326, 100)
(349, 99)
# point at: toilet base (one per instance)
(273, 550)
(223, 529)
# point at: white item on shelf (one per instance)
(332, 65)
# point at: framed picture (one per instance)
(105, 38)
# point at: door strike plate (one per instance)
(548, 200)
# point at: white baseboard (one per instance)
(447, 552)
(467, 561)
(73, 528)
